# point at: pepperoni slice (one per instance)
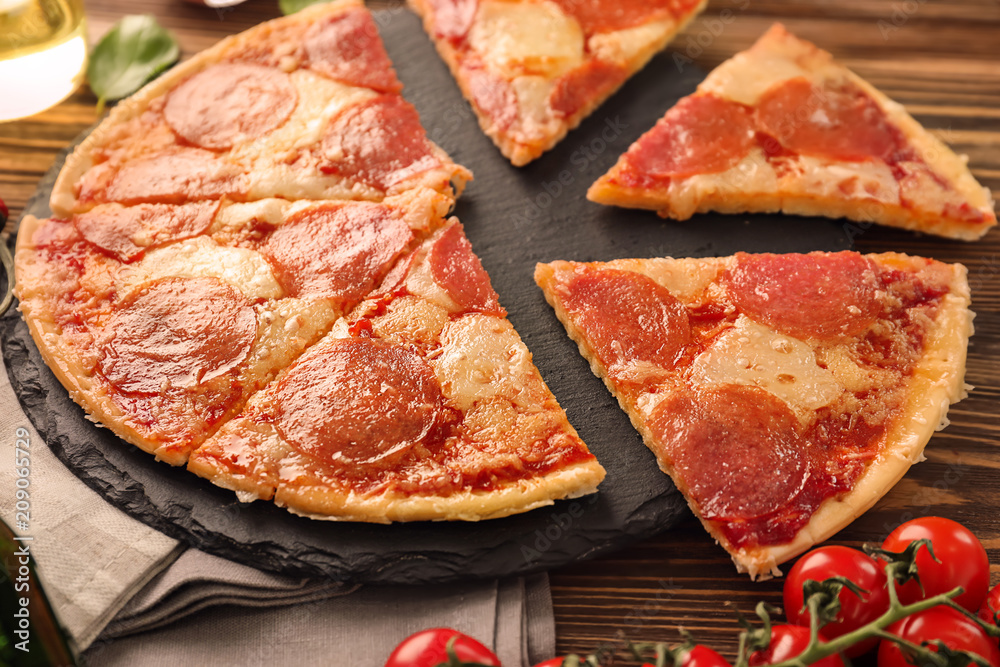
(177, 333)
(337, 252)
(702, 134)
(380, 142)
(453, 18)
(174, 177)
(126, 232)
(491, 94)
(360, 401)
(838, 121)
(347, 48)
(584, 85)
(459, 271)
(820, 296)
(751, 432)
(627, 317)
(230, 103)
(597, 16)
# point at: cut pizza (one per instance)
(784, 127)
(422, 404)
(162, 320)
(303, 107)
(213, 231)
(533, 70)
(783, 394)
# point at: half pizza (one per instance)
(784, 127)
(783, 394)
(216, 234)
(532, 71)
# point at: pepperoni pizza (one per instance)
(257, 245)
(533, 71)
(305, 107)
(423, 403)
(783, 127)
(783, 394)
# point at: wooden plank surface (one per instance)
(939, 58)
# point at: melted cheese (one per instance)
(751, 354)
(534, 115)
(871, 181)
(200, 257)
(320, 99)
(628, 47)
(410, 319)
(517, 38)
(748, 75)
(686, 279)
(481, 357)
(753, 174)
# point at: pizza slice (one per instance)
(784, 127)
(422, 404)
(783, 394)
(533, 70)
(302, 107)
(162, 320)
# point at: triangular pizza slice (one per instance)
(784, 127)
(162, 320)
(534, 69)
(302, 107)
(783, 394)
(422, 404)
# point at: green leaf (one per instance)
(292, 6)
(133, 52)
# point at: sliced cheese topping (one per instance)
(516, 38)
(751, 354)
(482, 357)
(201, 257)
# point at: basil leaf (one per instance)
(292, 6)
(133, 52)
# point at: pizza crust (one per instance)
(937, 381)
(618, 47)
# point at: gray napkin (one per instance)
(170, 622)
(149, 601)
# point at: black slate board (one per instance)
(514, 218)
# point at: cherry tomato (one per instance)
(787, 642)
(963, 561)
(700, 656)
(855, 610)
(552, 662)
(991, 606)
(429, 647)
(943, 623)
(4, 212)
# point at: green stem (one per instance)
(818, 650)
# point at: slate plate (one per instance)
(514, 218)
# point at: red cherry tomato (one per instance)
(700, 656)
(963, 561)
(4, 212)
(855, 610)
(943, 623)
(429, 647)
(552, 662)
(787, 642)
(991, 606)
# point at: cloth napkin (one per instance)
(129, 595)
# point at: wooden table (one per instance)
(941, 59)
